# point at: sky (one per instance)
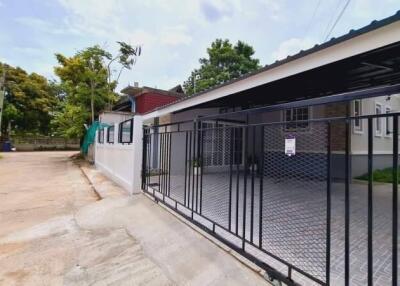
(173, 34)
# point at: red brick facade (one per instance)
(150, 100)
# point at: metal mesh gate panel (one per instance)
(218, 185)
(178, 166)
(294, 197)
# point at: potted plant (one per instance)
(196, 167)
(252, 163)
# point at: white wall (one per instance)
(111, 117)
(383, 143)
(122, 162)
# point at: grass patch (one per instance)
(382, 176)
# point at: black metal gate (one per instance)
(294, 212)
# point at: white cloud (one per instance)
(141, 37)
(291, 46)
(174, 36)
(28, 51)
(44, 26)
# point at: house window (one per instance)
(125, 131)
(101, 136)
(357, 111)
(388, 126)
(217, 143)
(378, 110)
(110, 134)
(296, 119)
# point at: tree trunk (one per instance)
(92, 99)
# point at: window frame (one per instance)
(388, 132)
(100, 136)
(378, 120)
(120, 132)
(108, 134)
(358, 129)
(296, 128)
(210, 148)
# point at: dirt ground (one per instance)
(54, 230)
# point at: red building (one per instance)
(144, 99)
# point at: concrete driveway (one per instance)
(54, 230)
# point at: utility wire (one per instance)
(330, 22)
(337, 19)
(312, 17)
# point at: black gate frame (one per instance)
(193, 210)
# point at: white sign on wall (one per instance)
(290, 146)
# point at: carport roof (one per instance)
(383, 32)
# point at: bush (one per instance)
(383, 175)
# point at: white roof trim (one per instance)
(380, 37)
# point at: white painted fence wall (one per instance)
(122, 163)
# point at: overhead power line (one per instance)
(332, 17)
(312, 17)
(337, 20)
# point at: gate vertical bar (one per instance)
(261, 187)
(347, 208)
(189, 168)
(186, 156)
(370, 204)
(169, 163)
(328, 205)
(246, 141)
(159, 160)
(230, 177)
(194, 158)
(395, 198)
(162, 163)
(198, 163)
(252, 184)
(149, 161)
(144, 159)
(201, 135)
(166, 163)
(237, 190)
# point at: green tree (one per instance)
(87, 86)
(85, 90)
(224, 62)
(29, 102)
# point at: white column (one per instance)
(137, 153)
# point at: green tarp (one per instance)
(90, 135)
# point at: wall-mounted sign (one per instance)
(290, 146)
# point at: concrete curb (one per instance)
(92, 186)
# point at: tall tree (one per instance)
(224, 62)
(84, 81)
(88, 83)
(29, 102)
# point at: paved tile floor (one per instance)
(293, 222)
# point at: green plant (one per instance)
(196, 163)
(383, 175)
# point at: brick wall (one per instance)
(338, 128)
(149, 101)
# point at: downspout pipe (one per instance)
(133, 103)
